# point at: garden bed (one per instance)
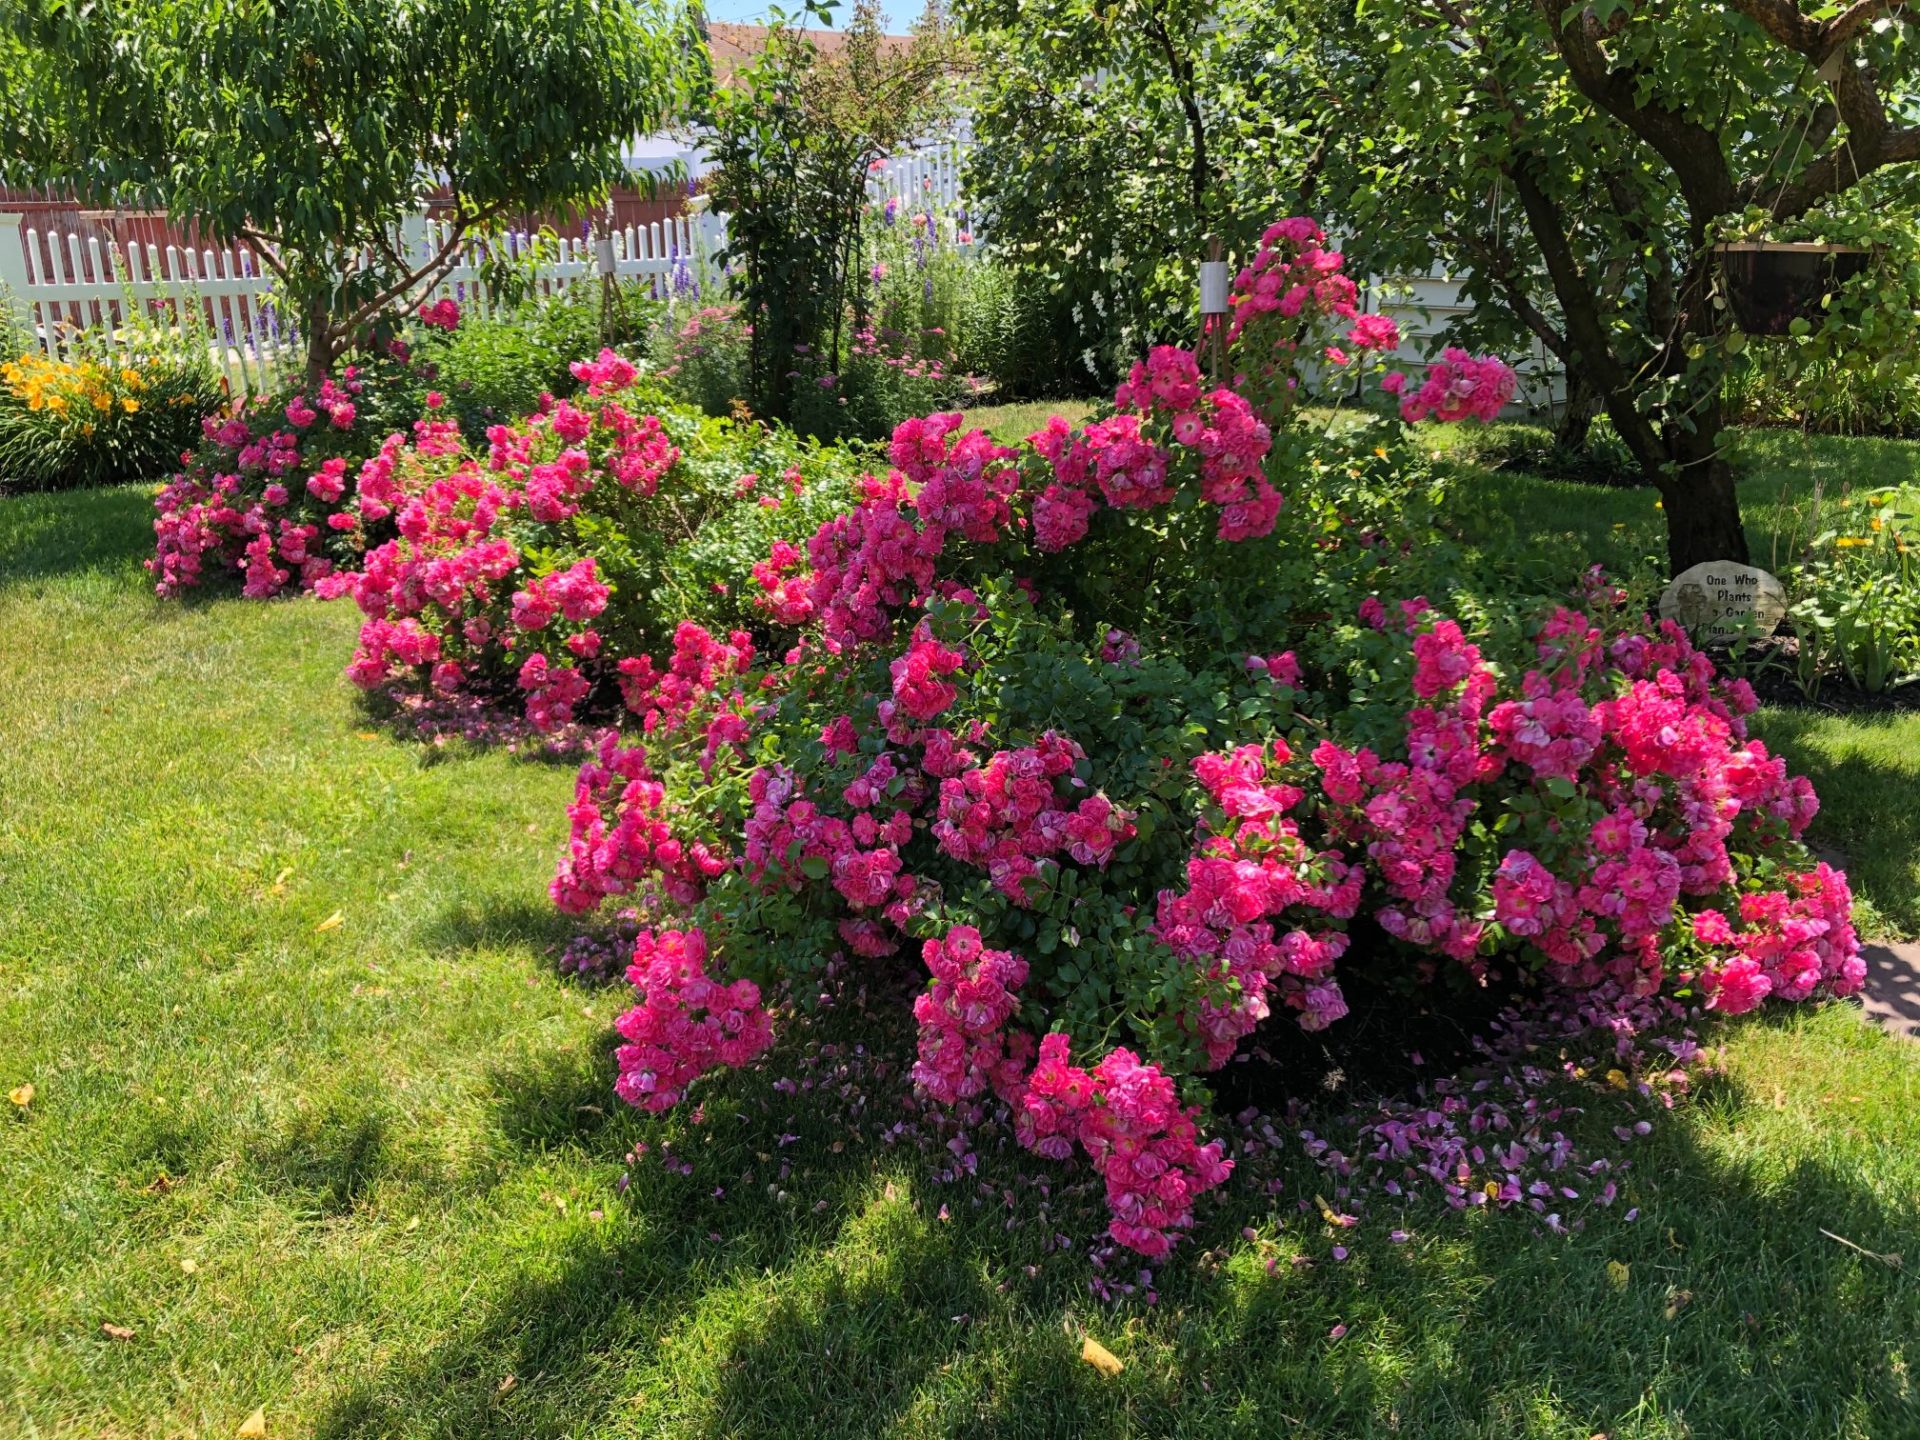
(321, 1090)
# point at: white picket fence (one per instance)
(923, 178)
(65, 286)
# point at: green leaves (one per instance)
(320, 126)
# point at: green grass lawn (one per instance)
(1010, 424)
(367, 1174)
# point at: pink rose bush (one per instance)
(457, 597)
(1124, 744)
(1138, 737)
(1294, 302)
(525, 573)
(262, 496)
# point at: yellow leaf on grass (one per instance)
(1617, 1079)
(254, 1427)
(1617, 1274)
(1101, 1358)
(116, 1332)
(188, 1266)
(332, 922)
(21, 1095)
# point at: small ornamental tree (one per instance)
(313, 129)
(1578, 165)
(796, 137)
(1114, 140)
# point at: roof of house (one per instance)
(735, 46)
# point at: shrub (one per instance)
(1827, 396)
(540, 569)
(703, 359)
(495, 368)
(267, 494)
(893, 365)
(1855, 602)
(1133, 757)
(99, 420)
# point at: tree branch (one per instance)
(429, 273)
(1787, 23)
(1504, 270)
(265, 249)
(1182, 74)
(1690, 149)
(1586, 331)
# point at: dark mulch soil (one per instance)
(1371, 1053)
(1770, 672)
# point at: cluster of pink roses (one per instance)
(1250, 870)
(965, 1047)
(1294, 277)
(259, 496)
(1169, 426)
(1007, 817)
(1457, 386)
(1127, 1117)
(686, 1024)
(1791, 943)
(622, 834)
(441, 314)
(1646, 783)
(1295, 288)
(447, 574)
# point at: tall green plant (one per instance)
(1115, 140)
(796, 138)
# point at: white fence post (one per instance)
(13, 270)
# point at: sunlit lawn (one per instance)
(366, 1174)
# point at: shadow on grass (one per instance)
(1869, 802)
(829, 1312)
(697, 1313)
(447, 729)
(559, 1100)
(329, 1156)
(47, 534)
(499, 924)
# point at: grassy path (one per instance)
(367, 1175)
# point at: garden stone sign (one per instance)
(1719, 601)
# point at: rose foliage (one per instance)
(533, 567)
(1136, 737)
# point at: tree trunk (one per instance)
(319, 345)
(1584, 404)
(1703, 510)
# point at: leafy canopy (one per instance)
(316, 127)
(1115, 137)
(1579, 165)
